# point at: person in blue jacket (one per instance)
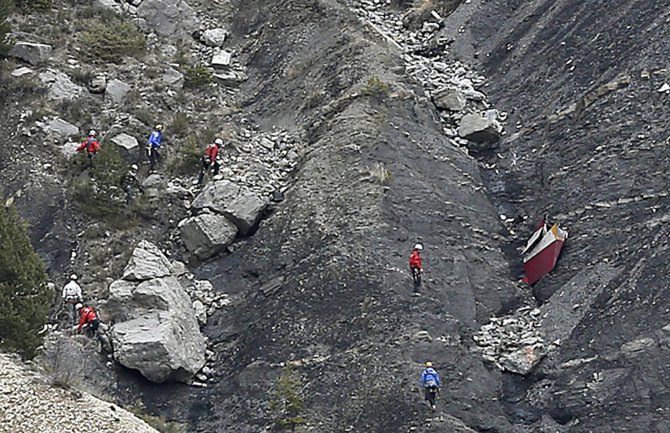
(430, 381)
(153, 145)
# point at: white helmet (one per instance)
(79, 306)
(92, 133)
(158, 127)
(218, 142)
(134, 167)
(418, 247)
(73, 277)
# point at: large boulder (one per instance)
(214, 37)
(450, 99)
(480, 128)
(31, 52)
(146, 263)
(60, 86)
(156, 330)
(127, 145)
(62, 128)
(116, 90)
(207, 234)
(238, 204)
(168, 17)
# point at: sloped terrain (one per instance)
(323, 284)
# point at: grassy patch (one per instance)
(380, 174)
(111, 42)
(376, 87)
(197, 76)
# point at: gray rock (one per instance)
(153, 185)
(69, 149)
(222, 59)
(30, 52)
(523, 360)
(98, 84)
(20, 72)
(239, 205)
(230, 78)
(480, 128)
(147, 262)
(450, 99)
(116, 90)
(60, 86)
(168, 17)
(62, 128)
(156, 331)
(200, 312)
(214, 37)
(110, 5)
(207, 234)
(173, 78)
(127, 144)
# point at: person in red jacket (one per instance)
(415, 265)
(209, 159)
(91, 146)
(94, 327)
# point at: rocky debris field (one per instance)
(29, 403)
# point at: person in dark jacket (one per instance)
(430, 382)
(153, 146)
(131, 184)
(91, 146)
(209, 160)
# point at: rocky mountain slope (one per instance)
(382, 122)
(28, 402)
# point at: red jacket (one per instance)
(415, 260)
(87, 315)
(211, 152)
(91, 145)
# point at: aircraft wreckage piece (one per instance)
(542, 251)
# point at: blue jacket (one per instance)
(429, 374)
(155, 140)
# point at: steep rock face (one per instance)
(156, 330)
(324, 282)
(584, 83)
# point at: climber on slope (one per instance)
(90, 323)
(415, 265)
(91, 146)
(209, 160)
(430, 382)
(153, 146)
(72, 295)
(131, 184)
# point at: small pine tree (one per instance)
(6, 8)
(288, 406)
(24, 295)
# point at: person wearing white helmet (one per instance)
(210, 160)
(415, 265)
(131, 184)
(91, 146)
(72, 295)
(154, 145)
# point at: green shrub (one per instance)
(187, 160)
(288, 406)
(24, 295)
(197, 76)
(111, 42)
(6, 8)
(376, 87)
(100, 194)
(27, 6)
(180, 124)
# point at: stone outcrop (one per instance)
(127, 144)
(207, 234)
(62, 128)
(156, 330)
(60, 86)
(241, 206)
(480, 128)
(116, 90)
(168, 17)
(31, 52)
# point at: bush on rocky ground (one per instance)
(28, 6)
(112, 41)
(24, 295)
(6, 7)
(376, 87)
(197, 76)
(287, 407)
